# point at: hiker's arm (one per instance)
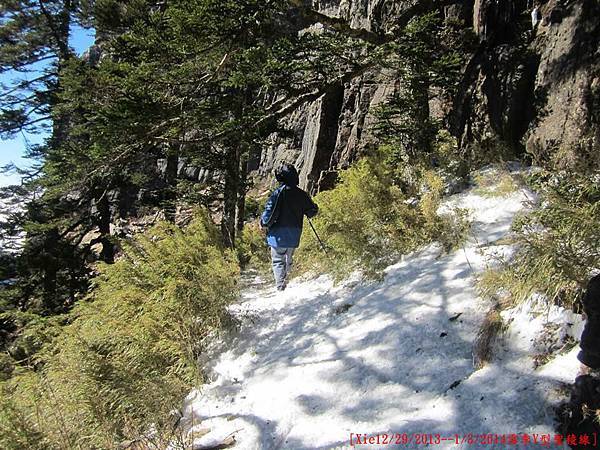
(311, 209)
(268, 210)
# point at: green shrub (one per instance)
(252, 249)
(18, 429)
(557, 242)
(409, 172)
(451, 229)
(367, 221)
(7, 367)
(130, 354)
(488, 148)
(448, 157)
(253, 208)
(30, 332)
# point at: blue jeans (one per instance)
(282, 264)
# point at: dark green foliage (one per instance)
(213, 78)
(203, 82)
(7, 266)
(34, 51)
(34, 38)
(427, 59)
(27, 334)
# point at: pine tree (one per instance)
(204, 81)
(220, 75)
(426, 61)
(34, 38)
(34, 47)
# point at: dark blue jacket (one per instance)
(590, 338)
(292, 204)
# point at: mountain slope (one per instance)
(318, 362)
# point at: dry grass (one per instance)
(497, 183)
(483, 346)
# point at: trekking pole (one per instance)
(318, 238)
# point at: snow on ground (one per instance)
(319, 361)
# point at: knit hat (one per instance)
(287, 174)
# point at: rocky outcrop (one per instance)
(330, 133)
(533, 89)
(523, 89)
(494, 104)
(567, 85)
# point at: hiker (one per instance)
(589, 356)
(283, 218)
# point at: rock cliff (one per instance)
(526, 87)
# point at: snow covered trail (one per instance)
(317, 362)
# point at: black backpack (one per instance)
(272, 220)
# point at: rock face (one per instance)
(567, 84)
(523, 89)
(329, 133)
(494, 104)
(333, 131)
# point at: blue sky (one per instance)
(12, 151)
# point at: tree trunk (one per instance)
(241, 200)
(171, 180)
(230, 196)
(60, 26)
(107, 254)
(50, 269)
(419, 84)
